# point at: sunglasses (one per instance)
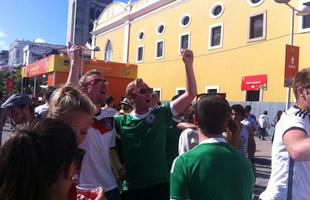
(96, 81)
(204, 95)
(145, 91)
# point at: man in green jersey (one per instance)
(213, 169)
(143, 137)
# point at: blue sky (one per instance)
(32, 19)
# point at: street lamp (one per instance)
(300, 11)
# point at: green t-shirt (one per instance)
(143, 147)
(213, 170)
(173, 135)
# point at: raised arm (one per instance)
(182, 102)
(74, 53)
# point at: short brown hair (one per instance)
(131, 85)
(302, 79)
(83, 79)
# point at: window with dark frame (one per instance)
(184, 41)
(140, 54)
(255, 1)
(108, 51)
(160, 29)
(212, 91)
(257, 26)
(306, 18)
(158, 93)
(252, 95)
(159, 49)
(217, 10)
(180, 91)
(141, 35)
(185, 20)
(216, 36)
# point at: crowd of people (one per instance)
(193, 147)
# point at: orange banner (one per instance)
(60, 63)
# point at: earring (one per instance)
(75, 177)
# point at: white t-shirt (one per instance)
(278, 182)
(41, 108)
(263, 121)
(250, 122)
(189, 138)
(96, 164)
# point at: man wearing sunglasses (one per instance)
(213, 169)
(99, 143)
(290, 174)
(143, 137)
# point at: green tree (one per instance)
(14, 73)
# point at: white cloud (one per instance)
(39, 40)
(3, 45)
(2, 34)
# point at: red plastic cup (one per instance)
(89, 191)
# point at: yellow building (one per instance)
(233, 42)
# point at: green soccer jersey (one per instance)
(213, 170)
(143, 146)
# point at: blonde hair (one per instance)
(68, 99)
(131, 85)
(83, 79)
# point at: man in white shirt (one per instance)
(41, 110)
(290, 174)
(263, 124)
(99, 144)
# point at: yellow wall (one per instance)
(117, 39)
(224, 66)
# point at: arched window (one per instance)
(108, 51)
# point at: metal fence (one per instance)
(259, 107)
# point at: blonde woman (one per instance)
(73, 107)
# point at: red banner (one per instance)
(291, 64)
(254, 82)
(10, 84)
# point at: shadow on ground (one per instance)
(263, 168)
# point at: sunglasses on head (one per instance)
(145, 91)
(96, 81)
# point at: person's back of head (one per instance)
(247, 109)
(32, 160)
(109, 101)
(238, 108)
(265, 112)
(212, 113)
(48, 93)
(68, 99)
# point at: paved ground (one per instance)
(262, 165)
